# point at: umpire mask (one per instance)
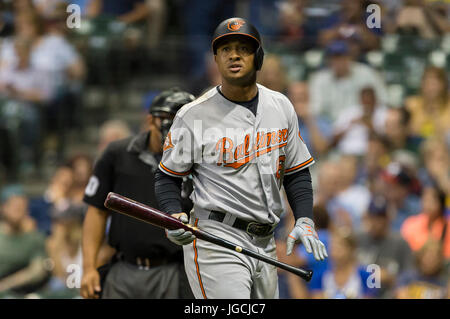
(166, 105)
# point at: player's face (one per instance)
(235, 60)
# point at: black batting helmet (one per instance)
(239, 26)
(166, 104)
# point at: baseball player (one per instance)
(241, 143)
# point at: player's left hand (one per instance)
(180, 236)
(304, 231)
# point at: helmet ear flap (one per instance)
(259, 58)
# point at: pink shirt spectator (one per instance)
(416, 232)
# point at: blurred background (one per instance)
(372, 98)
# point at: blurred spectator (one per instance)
(59, 66)
(345, 278)
(210, 78)
(350, 23)
(22, 6)
(126, 11)
(200, 18)
(273, 74)
(436, 159)
(352, 199)
(337, 189)
(65, 68)
(22, 247)
(327, 182)
(81, 165)
(111, 131)
(422, 18)
(298, 30)
(429, 280)
(379, 245)
(401, 188)
(47, 8)
(376, 159)
(149, 14)
(389, 11)
(23, 89)
(56, 198)
(337, 87)
(354, 124)
(22, 82)
(397, 133)
(430, 111)
(431, 223)
(315, 130)
(265, 16)
(64, 249)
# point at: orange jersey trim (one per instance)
(196, 264)
(173, 172)
(300, 165)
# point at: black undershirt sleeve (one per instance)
(298, 187)
(168, 193)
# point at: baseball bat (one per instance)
(142, 212)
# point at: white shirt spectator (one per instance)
(51, 57)
(54, 55)
(355, 200)
(8, 59)
(330, 95)
(354, 142)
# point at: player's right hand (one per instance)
(90, 284)
(180, 236)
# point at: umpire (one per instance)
(147, 264)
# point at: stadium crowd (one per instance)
(380, 139)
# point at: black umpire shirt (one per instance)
(127, 167)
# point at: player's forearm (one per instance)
(93, 235)
(298, 187)
(168, 192)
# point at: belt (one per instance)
(252, 228)
(144, 262)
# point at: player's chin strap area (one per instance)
(251, 228)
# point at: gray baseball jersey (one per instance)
(237, 161)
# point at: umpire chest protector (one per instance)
(239, 26)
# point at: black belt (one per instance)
(144, 262)
(252, 228)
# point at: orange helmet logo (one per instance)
(235, 25)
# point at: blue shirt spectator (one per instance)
(355, 287)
